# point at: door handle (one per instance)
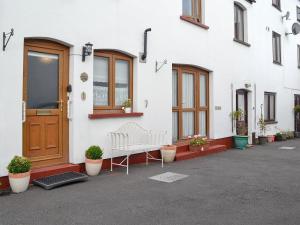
(69, 109)
(61, 105)
(23, 111)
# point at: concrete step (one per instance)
(53, 170)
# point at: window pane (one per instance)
(298, 52)
(101, 81)
(203, 90)
(187, 90)
(174, 88)
(174, 126)
(202, 123)
(274, 48)
(188, 123)
(121, 82)
(43, 81)
(187, 7)
(272, 107)
(266, 107)
(239, 23)
(197, 8)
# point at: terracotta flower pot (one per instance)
(93, 167)
(168, 153)
(270, 138)
(19, 182)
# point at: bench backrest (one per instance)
(133, 134)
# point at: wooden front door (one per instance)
(242, 103)
(45, 123)
(297, 115)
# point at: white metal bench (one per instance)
(132, 139)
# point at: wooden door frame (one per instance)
(45, 45)
(295, 114)
(197, 108)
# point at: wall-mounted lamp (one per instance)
(86, 50)
(286, 16)
(5, 35)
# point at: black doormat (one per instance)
(60, 180)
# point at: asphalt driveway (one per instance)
(258, 186)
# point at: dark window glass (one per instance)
(276, 4)
(276, 45)
(43, 81)
(269, 106)
(298, 51)
(239, 25)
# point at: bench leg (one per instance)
(127, 164)
(111, 164)
(162, 159)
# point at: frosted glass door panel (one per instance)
(187, 124)
(187, 90)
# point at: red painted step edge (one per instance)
(193, 154)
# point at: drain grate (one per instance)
(286, 148)
(60, 180)
(168, 177)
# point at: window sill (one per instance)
(114, 115)
(271, 122)
(192, 21)
(277, 63)
(242, 42)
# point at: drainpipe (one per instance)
(144, 56)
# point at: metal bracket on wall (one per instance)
(159, 65)
(5, 35)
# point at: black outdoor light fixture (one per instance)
(8, 36)
(86, 50)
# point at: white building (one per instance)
(220, 47)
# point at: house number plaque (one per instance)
(84, 77)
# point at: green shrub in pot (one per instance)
(19, 173)
(93, 160)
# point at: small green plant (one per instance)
(297, 109)
(262, 126)
(94, 153)
(237, 115)
(198, 141)
(19, 165)
(127, 103)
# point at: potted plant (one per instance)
(297, 114)
(270, 138)
(262, 139)
(198, 144)
(241, 139)
(93, 160)
(168, 153)
(284, 136)
(278, 136)
(19, 174)
(127, 106)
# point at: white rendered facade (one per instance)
(119, 25)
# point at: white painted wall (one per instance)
(119, 24)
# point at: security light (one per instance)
(87, 50)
